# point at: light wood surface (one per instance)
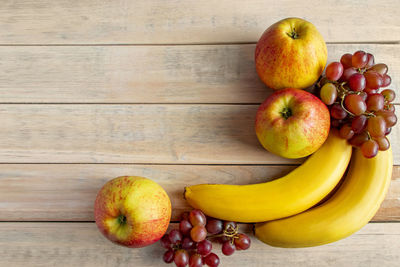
(189, 21)
(148, 74)
(66, 192)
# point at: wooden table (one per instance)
(94, 89)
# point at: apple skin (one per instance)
(283, 61)
(298, 135)
(143, 202)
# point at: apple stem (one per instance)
(286, 113)
(293, 34)
(121, 219)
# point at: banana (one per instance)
(347, 211)
(291, 194)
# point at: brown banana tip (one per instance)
(254, 229)
(184, 193)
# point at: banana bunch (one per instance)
(270, 204)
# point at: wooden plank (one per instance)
(57, 192)
(183, 134)
(81, 244)
(189, 21)
(148, 74)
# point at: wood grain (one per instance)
(59, 192)
(148, 74)
(81, 244)
(163, 134)
(189, 21)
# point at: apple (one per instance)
(290, 54)
(292, 123)
(132, 211)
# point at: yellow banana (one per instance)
(294, 193)
(347, 211)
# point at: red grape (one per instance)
(181, 258)
(165, 242)
(338, 112)
(195, 261)
(388, 130)
(357, 82)
(358, 124)
(185, 227)
(211, 260)
(204, 247)
(355, 104)
(243, 242)
(328, 93)
(334, 71)
(375, 102)
(346, 60)
(370, 61)
(376, 126)
(198, 233)
(228, 248)
(390, 108)
(389, 117)
(348, 73)
(214, 226)
(188, 243)
(346, 132)
(369, 149)
(175, 236)
(373, 79)
(229, 225)
(336, 123)
(185, 216)
(224, 239)
(386, 80)
(197, 217)
(380, 68)
(369, 91)
(168, 256)
(383, 143)
(359, 59)
(389, 95)
(359, 139)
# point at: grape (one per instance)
(346, 60)
(375, 102)
(370, 60)
(376, 126)
(359, 59)
(188, 243)
(389, 117)
(185, 227)
(359, 139)
(346, 132)
(369, 149)
(389, 95)
(185, 216)
(328, 93)
(211, 260)
(357, 82)
(168, 256)
(198, 233)
(195, 261)
(336, 123)
(355, 104)
(338, 112)
(228, 248)
(380, 68)
(373, 79)
(364, 95)
(197, 217)
(181, 258)
(165, 242)
(383, 143)
(347, 73)
(229, 225)
(224, 239)
(175, 236)
(388, 130)
(323, 81)
(369, 91)
(390, 108)
(204, 247)
(358, 124)
(214, 226)
(386, 80)
(243, 242)
(334, 71)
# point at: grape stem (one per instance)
(228, 232)
(341, 103)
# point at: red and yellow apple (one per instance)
(132, 211)
(290, 54)
(292, 123)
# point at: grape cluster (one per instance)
(190, 244)
(364, 115)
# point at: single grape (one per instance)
(346, 60)
(338, 112)
(211, 260)
(359, 59)
(228, 248)
(229, 225)
(188, 243)
(334, 71)
(185, 216)
(388, 130)
(389, 117)
(168, 256)
(204, 247)
(336, 123)
(328, 93)
(355, 104)
(198, 233)
(181, 258)
(165, 241)
(383, 143)
(347, 73)
(359, 123)
(359, 139)
(346, 132)
(386, 80)
(195, 260)
(357, 82)
(369, 91)
(224, 239)
(389, 95)
(214, 226)
(376, 126)
(369, 148)
(375, 102)
(373, 79)
(243, 242)
(175, 236)
(380, 68)
(197, 217)
(185, 227)
(390, 108)
(370, 60)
